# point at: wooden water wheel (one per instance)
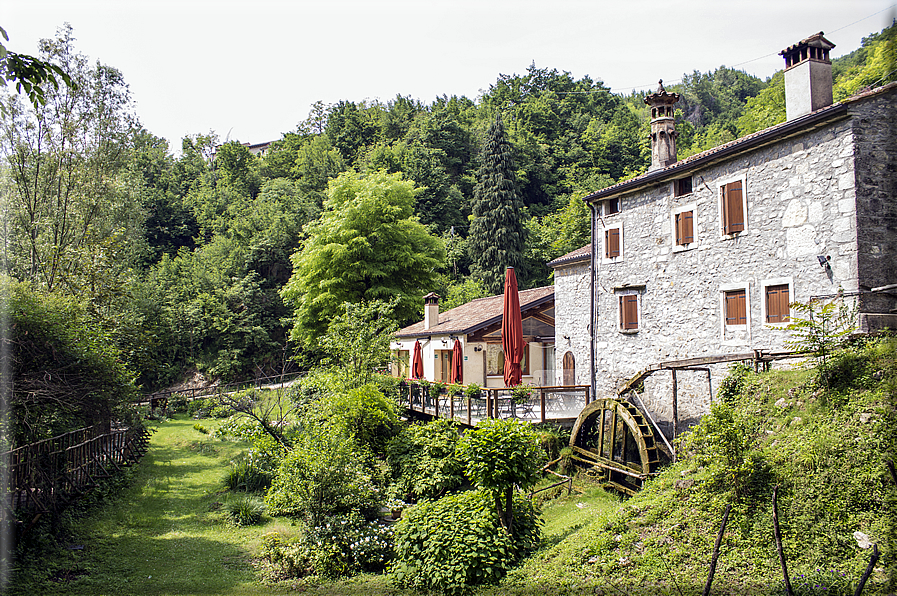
(613, 437)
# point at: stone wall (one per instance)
(800, 204)
(571, 322)
(876, 204)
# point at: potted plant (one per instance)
(521, 393)
(472, 391)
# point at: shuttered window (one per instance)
(733, 207)
(612, 243)
(612, 206)
(736, 307)
(682, 187)
(685, 233)
(629, 311)
(777, 301)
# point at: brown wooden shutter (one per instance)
(736, 308)
(685, 228)
(612, 243)
(733, 208)
(777, 304)
(629, 311)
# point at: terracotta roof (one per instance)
(574, 256)
(747, 142)
(476, 314)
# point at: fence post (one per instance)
(542, 404)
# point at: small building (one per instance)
(477, 325)
(704, 256)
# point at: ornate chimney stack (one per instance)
(431, 310)
(663, 127)
(808, 76)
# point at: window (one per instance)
(629, 312)
(611, 206)
(495, 360)
(732, 207)
(400, 364)
(612, 248)
(777, 299)
(685, 229)
(682, 186)
(736, 307)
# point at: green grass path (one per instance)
(164, 533)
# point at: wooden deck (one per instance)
(561, 404)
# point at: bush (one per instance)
(422, 461)
(324, 475)
(457, 542)
(336, 547)
(249, 473)
(177, 403)
(245, 510)
(364, 414)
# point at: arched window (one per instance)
(569, 369)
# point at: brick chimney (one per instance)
(431, 310)
(663, 128)
(808, 76)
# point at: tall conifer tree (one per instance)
(497, 232)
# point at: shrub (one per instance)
(245, 510)
(336, 547)
(422, 461)
(200, 428)
(249, 472)
(499, 455)
(364, 414)
(324, 475)
(457, 542)
(177, 403)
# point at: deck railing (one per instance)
(542, 404)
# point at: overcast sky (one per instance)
(249, 71)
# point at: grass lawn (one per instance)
(165, 533)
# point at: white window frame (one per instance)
(607, 260)
(723, 288)
(775, 281)
(693, 207)
(744, 205)
(638, 309)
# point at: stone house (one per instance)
(702, 257)
(477, 325)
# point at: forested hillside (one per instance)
(182, 259)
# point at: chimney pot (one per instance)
(808, 76)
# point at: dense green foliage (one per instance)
(497, 234)
(449, 545)
(423, 462)
(68, 374)
(366, 246)
(498, 455)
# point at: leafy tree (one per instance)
(497, 231)
(879, 65)
(363, 414)
(237, 168)
(819, 327)
(765, 109)
(76, 211)
(499, 455)
(31, 75)
(366, 246)
(358, 341)
(463, 292)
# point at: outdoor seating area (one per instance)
(470, 404)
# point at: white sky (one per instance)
(251, 70)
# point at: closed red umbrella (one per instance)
(417, 365)
(457, 363)
(512, 331)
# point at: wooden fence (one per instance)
(46, 476)
(543, 404)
